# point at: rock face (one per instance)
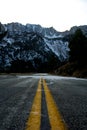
(32, 48)
(2, 31)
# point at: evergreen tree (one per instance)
(78, 47)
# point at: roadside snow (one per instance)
(47, 76)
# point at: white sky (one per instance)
(61, 14)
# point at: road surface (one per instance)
(42, 102)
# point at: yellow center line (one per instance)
(34, 120)
(56, 121)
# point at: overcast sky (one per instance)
(61, 14)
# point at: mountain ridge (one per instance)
(33, 46)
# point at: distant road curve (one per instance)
(49, 95)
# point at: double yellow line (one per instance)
(34, 121)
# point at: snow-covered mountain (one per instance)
(31, 47)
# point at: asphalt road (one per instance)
(17, 93)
